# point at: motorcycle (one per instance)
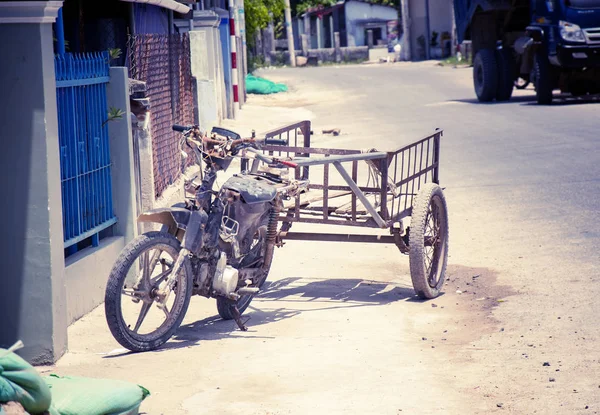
(217, 244)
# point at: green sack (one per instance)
(20, 382)
(256, 85)
(88, 396)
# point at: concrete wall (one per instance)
(207, 68)
(359, 11)
(32, 287)
(121, 156)
(440, 20)
(418, 28)
(349, 54)
(86, 274)
(440, 16)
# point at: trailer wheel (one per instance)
(506, 74)
(485, 75)
(544, 79)
(428, 241)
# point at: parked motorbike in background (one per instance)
(218, 244)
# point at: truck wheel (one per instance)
(544, 79)
(485, 75)
(506, 74)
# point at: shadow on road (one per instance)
(530, 100)
(289, 297)
(335, 290)
(330, 294)
(564, 100)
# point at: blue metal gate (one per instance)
(84, 148)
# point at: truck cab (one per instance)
(554, 44)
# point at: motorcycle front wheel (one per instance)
(131, 300)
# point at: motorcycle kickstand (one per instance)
(238, 319)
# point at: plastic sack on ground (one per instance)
(89, 396)
(20, 382)
(256, 85)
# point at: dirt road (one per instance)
(339, 330)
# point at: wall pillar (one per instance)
(32, 289)
(336, 45)
(307, 30)
(205, 66)
(319, 30)
(121, 156)
(304, 38)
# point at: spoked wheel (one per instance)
(428, 247)
(138, 317)
(255, 258)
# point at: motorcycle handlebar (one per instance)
(276, 142)
(182, 128)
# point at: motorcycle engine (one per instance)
(226, 277)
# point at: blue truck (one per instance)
(553, 44)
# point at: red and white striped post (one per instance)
(234, 68)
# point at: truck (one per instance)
(552, 44)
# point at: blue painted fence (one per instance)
(84, 147)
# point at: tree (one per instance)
(257, 15)
(304, 5)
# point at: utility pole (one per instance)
(290, 33)
(453, 36)
(406, 30)
(428, 32)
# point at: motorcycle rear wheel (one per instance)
(126, 290)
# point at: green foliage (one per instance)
(114, 114)
(305, 5)
(114, 53)
(257, 15)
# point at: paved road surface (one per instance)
(339, 330)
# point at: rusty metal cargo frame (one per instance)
(401, 173)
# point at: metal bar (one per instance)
(96, 239)
(342, 188)
(408, 174)
(325, 191)
(309, 150)
(395, 176)
(340, 159)
(436, 157)
(91, 232)
(354, 179)
(421, 163)
(403, 214)
(60, 33)
(360, 194)
(427, 158)
(277, 131)
(416, 143)
(333, 237)
(414, 172)
(383, 168)
(343, 222)
(81, 82)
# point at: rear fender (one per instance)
(174, 217)
(187, 225)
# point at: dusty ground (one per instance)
(339, 330)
